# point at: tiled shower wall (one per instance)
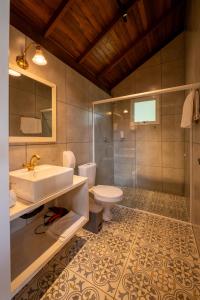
(152, 157)
(192, 72)
(74, 117)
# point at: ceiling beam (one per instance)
(57, 15)
(57, 50)
(107, 29)
(140, 39)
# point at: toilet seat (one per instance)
(106, 193)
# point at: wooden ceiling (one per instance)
(92, 36)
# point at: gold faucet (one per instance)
(33, 162)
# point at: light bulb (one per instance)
(39, 58)
(109, 113)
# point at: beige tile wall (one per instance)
(74, 97)
(192, 72)
(154, 154)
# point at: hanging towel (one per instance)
(196, 106)
(31, 125)
(187, 114)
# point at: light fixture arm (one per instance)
(28, 47)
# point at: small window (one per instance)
(145, 111)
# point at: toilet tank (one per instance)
(88, 170)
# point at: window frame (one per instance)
(157, 121)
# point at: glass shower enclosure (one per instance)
(140, 147)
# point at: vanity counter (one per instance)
(22, 207)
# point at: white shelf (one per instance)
(22, 207)
(30, 252)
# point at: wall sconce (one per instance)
(38, 58)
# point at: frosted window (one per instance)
(145, 111)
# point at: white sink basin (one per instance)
(45, 180)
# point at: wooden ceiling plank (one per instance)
(55, 49)
(105, 31)
(140, 39)
(148, 56)
(58, 14)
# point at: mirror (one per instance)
(32, 108)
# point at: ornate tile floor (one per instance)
(137, 256)
(169, 205)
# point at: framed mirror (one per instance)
(32, 108)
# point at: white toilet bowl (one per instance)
(107, 196)
(104, 195)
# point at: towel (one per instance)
(60, 228)
(31, 125)
(187, 114)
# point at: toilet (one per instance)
(104, 195)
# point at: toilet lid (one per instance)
(107, 193)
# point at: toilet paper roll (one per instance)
(69, 159)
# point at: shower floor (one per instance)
(168, 205)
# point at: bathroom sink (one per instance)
(43, 181)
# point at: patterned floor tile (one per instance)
(71, 286)
(171, 235)
(169, 205)
(137, 256)
(102, 260)
(151, 275)
(67, 285)
(163, 262)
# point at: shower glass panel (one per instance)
(149, 161)
(103, 146)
